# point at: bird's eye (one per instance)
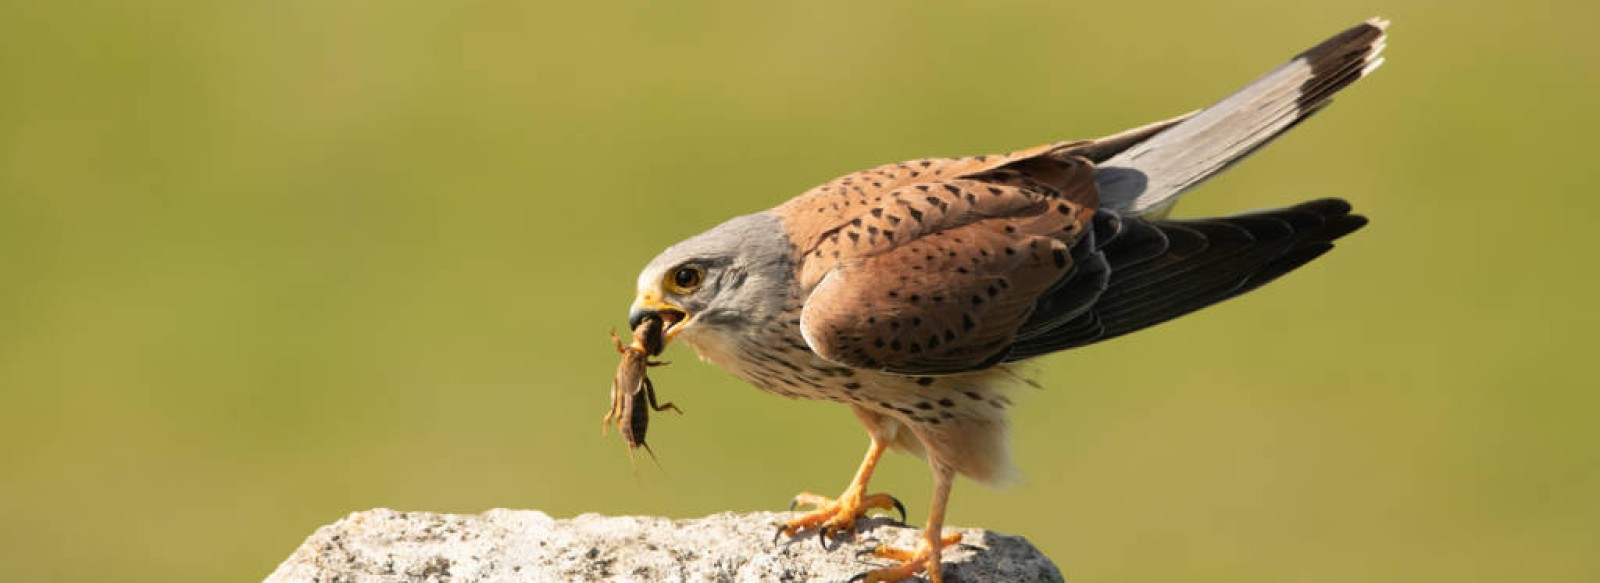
(686, 278)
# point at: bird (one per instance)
(911, 292)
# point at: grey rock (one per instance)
(527, 545)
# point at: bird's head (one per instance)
(719, 281)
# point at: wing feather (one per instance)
(938, 276)
(1203, 261)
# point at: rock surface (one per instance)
(526, 545)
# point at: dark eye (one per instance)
(686, 278)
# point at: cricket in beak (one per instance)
(671, 318)
(633, 396)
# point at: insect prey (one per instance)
(633, 396)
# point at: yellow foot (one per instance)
(923, 560)
(835, 517)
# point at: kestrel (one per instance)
(908, 291)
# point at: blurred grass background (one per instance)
(264, 264)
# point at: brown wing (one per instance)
(930, 266)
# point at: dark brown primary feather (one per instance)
(1159, 270)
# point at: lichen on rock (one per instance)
(528, 545)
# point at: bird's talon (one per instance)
(835, 518)
(923, 560)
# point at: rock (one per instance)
(526, 545)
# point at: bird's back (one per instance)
(1119, 264)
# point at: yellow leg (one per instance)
(925, 558)
(839, 515)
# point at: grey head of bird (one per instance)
(722, 281)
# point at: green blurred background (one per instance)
(264, 264)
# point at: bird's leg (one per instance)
(839, 515)
(925, 558)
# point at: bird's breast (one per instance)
(774, 358)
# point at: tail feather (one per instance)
(1148, 177)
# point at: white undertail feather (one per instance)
(1148, 178)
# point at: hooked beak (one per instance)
(648, 304)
